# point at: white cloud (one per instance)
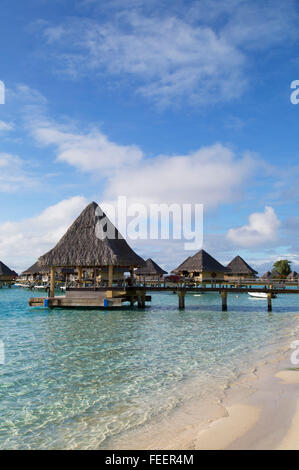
(201, 54)
(92, 152)
(211, 175)
(167, 56)
(13, 176)
(262, 228)
(24, 241)
(5, 126)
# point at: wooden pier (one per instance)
(111, 297)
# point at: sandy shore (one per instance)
(259, 411)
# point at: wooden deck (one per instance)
(115, 297)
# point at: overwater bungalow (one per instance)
(150, 272)
(269, 275)
(7, 276)
(35, 273)
(240, 270)
(180, 270)
(38, 275)
(202, 267)
(293, 276)
(91, 243)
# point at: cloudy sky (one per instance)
(160, 101)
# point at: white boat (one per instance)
(260, 295)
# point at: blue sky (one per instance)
(185, 102)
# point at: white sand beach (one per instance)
(260, 411)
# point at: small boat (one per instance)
(261, 295)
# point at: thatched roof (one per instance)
(180, 268)
(203, 262)
(150, 269)
(270, 275)
(293, 275)
(91, 241)
(36, 269)
(5, 271)
(239, 266)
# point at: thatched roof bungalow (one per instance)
(293, 276)
(92, 241)
(6, 274)
(181, 268)
(202, 267)
(270, 275)
(35, 272)
(239, 269)
(151, 271)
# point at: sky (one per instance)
(185, 102)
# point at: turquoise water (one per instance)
(76, 379)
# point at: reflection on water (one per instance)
(74, 378)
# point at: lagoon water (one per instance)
(76, 379)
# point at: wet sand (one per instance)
(258, 411)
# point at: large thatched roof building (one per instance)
(6, 274)
(92, 241)
(150, 271)
(85, 244)
(202, 266)
(239, 269)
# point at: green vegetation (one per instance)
(282, 267)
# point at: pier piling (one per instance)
(224, 301)
(181, 296)
(269, 296)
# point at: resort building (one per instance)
(90, 244)
(271, 275)
(181, 268)
(293, 276)
(240, 270)
(35, 273)
(38, 274)
(151, 271)
(202, 267)
(6, 274)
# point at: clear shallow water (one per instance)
(75, 378)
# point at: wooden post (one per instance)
(181, 295)
(52, 282)
(80, 273)
(110, 275)
(224, 301)
(269, 296)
